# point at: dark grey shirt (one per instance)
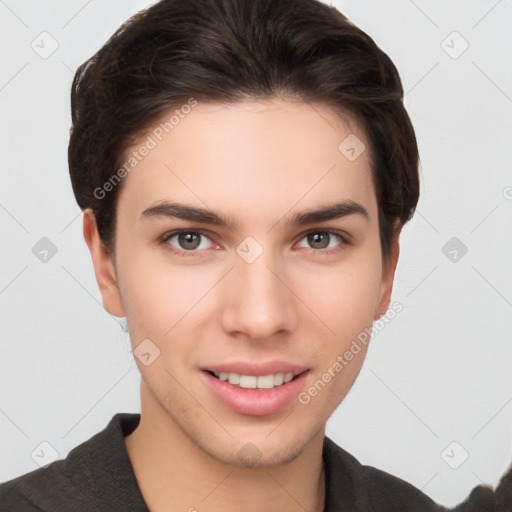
(97, 476)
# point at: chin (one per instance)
(256, 455)
(261, 449)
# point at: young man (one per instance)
(245, 168)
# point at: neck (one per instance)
(173, 473)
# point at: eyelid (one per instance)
(170, 234)
(346, 239)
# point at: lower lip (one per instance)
(252, 401)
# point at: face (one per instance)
(255, 288)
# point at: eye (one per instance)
(193, 243)
(325, 242)
(186, 243)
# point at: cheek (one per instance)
(151, 295)
(345, 297)
(155, 292)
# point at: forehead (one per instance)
(253, 156)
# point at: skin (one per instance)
(261, 161)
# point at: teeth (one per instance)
(278, 379)
(248, 381)
(254, 382)
(234, 378)
(266, 382)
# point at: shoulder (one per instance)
(369, 488)
(504, 492)
(388, 492)
(95, 474)
(44, 489)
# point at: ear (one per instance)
(388, 275)
(104, 267)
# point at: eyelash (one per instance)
(323, 252)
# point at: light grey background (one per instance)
(439, 373)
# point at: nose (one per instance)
(257, 301)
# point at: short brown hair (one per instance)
(227, 51)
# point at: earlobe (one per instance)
(104, 268)
(388, 276)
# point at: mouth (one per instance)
(260, 383)
(267, 393)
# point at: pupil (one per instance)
(186, 238)
(322, 238)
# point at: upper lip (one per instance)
(257, 369)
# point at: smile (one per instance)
(256, 395)
(253, 381)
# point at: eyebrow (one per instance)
(323, 213)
